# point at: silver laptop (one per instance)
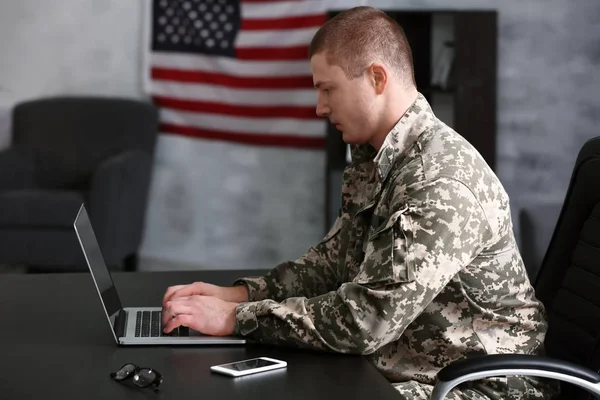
(132, 325)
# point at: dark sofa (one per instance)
(66, 151)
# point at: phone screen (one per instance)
(248, 364)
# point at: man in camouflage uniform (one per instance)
(420, 268)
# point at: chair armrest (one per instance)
(118, 197)
(16, 170)
(513, 364)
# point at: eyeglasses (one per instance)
(142, 377)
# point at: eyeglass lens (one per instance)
(144, 377)
(124, 372)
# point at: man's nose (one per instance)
(323, 110)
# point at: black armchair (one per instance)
(536, 225)
(67, 151)
(568, 283)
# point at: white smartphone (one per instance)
(247, 367)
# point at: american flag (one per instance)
(236, 70)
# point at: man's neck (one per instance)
(402, 101)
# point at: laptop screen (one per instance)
(95, 260)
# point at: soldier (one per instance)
(421, 267)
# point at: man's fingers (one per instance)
(178, 306)
(184, 291)
(179, 320)
(169, 293)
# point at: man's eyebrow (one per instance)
(319, 84)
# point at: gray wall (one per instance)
(70, 46)
(548, 106)
(548, 85)
(67, 46)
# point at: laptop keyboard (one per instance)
(149, 324)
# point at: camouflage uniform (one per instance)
(420, 268)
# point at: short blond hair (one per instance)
(358, 36)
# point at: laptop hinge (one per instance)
(121, 323)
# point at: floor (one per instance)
(12, 269)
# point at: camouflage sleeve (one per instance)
(313, 274)
(426, 240)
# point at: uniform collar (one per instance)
(402, 137)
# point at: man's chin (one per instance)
(349, 139)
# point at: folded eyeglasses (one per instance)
(141, 377)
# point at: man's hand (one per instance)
(209, 315)
(235, 294)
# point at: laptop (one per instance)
(132, 325)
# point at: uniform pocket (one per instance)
(388, 258)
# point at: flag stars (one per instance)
(198, 25)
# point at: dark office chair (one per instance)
(536, 226)
(568, 284)
(67, 151)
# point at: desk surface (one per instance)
(55, 343)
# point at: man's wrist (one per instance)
(256, 287)
(240, 294)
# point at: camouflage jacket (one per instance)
(420, 268)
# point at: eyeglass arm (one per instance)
(513, 364)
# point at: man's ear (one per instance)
(379, 77)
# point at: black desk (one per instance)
(55, 343)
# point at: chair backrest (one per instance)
(536, 225)
(568, 282)
(69, 136)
